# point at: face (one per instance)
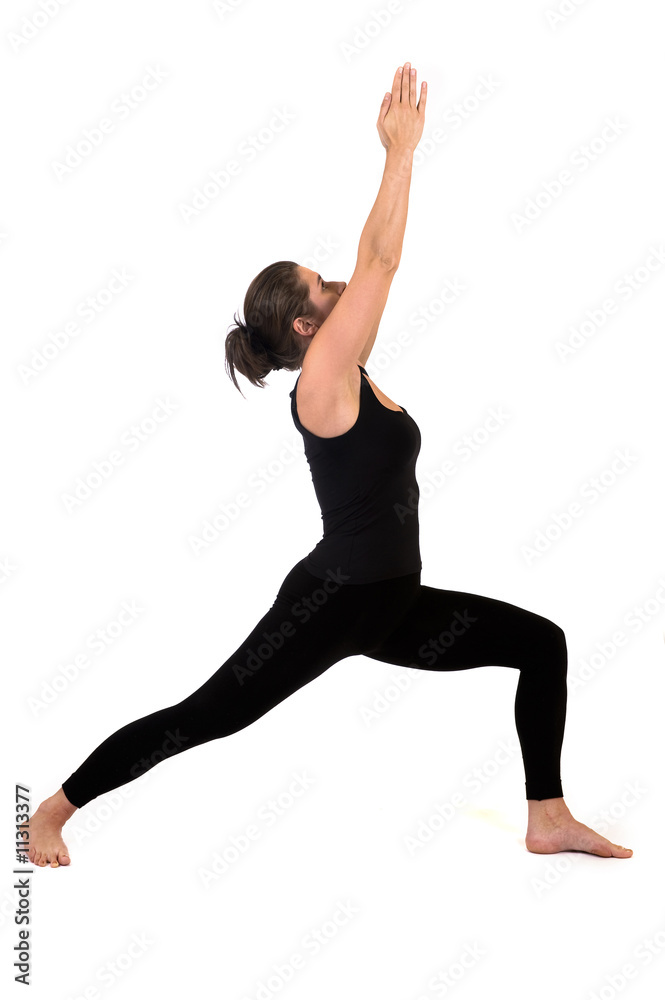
(324, 296)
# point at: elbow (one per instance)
(383, 258)
(389, 261)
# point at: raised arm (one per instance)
(349, 331)
(400, 126)
(397, 179)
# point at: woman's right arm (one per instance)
(400, 125)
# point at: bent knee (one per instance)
(559, 644)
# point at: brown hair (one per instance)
(266, 340)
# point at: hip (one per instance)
(364, 612)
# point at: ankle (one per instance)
(58, 806)
(547, 808)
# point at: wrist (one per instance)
(400, 152)
(400, 159)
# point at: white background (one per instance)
(551, 927)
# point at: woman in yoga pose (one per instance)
(358, 591)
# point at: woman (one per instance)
(358, 591)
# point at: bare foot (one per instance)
(46, 843)
(551, 829)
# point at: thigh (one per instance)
(306, 630)
(455, 630)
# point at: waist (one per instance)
(365, 557)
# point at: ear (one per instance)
(305, 327)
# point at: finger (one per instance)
(397, 83)
(422, 103)
(412, 88)
(383, 110)
(405, 82)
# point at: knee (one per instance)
(559, 645)
(206, 718)
(201, 718)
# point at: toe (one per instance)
(62, 856)
(625, 852)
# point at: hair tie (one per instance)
(256, 342)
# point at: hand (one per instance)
(401, 121)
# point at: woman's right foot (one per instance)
(46, 844)
(552, 828)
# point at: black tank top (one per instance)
(366, 486)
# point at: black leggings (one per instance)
(312, 624)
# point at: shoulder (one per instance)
(314, 382)
(327, 407)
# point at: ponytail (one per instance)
(266, 340)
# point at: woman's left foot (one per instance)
(47, 848)
(552, 829)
